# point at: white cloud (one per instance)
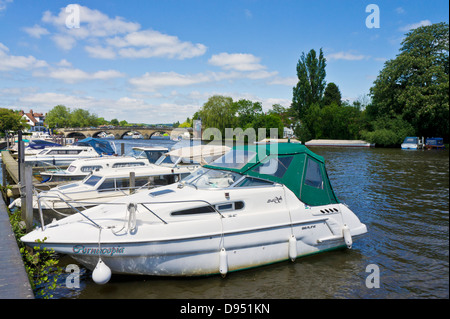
(9, 62)
(93, 23)
(346, 56)
(127, 108)
(3, 4)
(100, 52)
(415, 25)
(288, 81)
(116, 37)
(36, 31)
(236, 61)
(71, 75)
(150, 43)
(153, 81)
(400, 10)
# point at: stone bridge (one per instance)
(120, 132)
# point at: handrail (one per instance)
(120, 203)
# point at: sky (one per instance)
(158, 61)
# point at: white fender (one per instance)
(292, 248)
(101, 274)
(347, 236)
(223, 263)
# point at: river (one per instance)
(401, 195)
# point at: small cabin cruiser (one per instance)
(36, 146)
(64, 155)
(254, 206)
(80, 168)
(436, 143)
(411, 143)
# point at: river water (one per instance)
(401, 195)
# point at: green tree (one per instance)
(311, 82)
(246, 112)
(114, 122)
(217, 112)
(58, 117)
(11, 120)
(332, 94)
(415, 84)
(82, 118)
(284, 113)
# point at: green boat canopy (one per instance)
(291, 164)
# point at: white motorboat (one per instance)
(251, 207)
(80, 168)
(64, 155)
(411, 143)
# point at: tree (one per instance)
(82, 118)
(311, 82)
(114, 122)
(11, 120)
(284, 113)
(415, 84)
(58, 117)
(246, 112)
(332, 94)
(217, 112)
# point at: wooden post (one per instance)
(122, 148)
(132, 182)
(29, 197)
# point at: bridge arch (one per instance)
(77, 135)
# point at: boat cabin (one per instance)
(290, 164)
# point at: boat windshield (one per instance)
(92, 180)
(235, 159)
(410, 140)
(211, 178)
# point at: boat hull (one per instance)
(199, 256)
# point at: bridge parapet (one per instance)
(120, 132)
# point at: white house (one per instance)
(34, 120)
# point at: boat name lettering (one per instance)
(275, 200)
(80, 249)
(308, 227)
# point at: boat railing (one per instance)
(131, 208)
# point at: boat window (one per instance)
(90, 168)
(73, 152)
(230, 206)
(211, 178)
(153, 156)
(253, 182)
(194, 211)
(128, 164)
(92, 180)
(235, 159)
(313, 176)
(71, 168)
(410, 140)
(107, 185)
(274, 166)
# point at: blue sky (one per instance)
(159, 61)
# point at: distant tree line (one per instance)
(222, 112)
